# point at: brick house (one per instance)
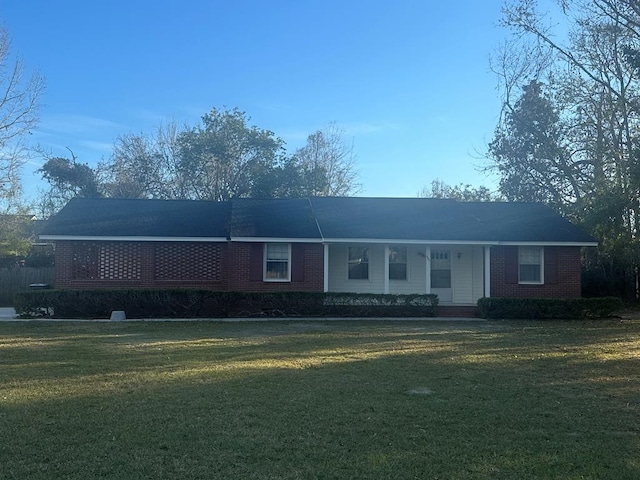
(461, 251)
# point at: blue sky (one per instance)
(408, 80)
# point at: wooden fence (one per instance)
(14, 280)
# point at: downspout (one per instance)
(386, 269)
(487, 271)
(326, 266)
(427, 266)
(325, 250)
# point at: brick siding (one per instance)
(237, 266)
(215, 266)
(140, 265)
(567, 284)
(245, 255)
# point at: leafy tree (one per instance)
(528, 153)
(461, 192)
(224, 157)
(15, 237)
(67, 179)
(571, 138)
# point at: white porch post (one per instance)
(487, 271)
(427, 263)
(386, 269)
(326, 267)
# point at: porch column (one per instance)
(427, 263)
(386, 269)
(487, 271)
(326, 267)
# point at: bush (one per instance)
(548, 308)
(192, 303)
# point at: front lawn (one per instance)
(320, 400)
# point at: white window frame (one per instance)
(368, 264)
(406, 263)
(266, 261)
(541, 270)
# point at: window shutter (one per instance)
(256, 262)
(297, 262)
(511, 264)
(550, 265)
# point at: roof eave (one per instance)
(551, 243)
(276, 239)
(129, 238)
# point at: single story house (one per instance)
(461, 251)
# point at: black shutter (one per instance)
(550, 265)
(511, 264)
(297, 262)
(256, 262)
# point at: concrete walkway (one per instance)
(7, 313)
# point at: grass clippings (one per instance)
(320, 400)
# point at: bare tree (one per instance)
(145, 166)
(330, 156)
(19, 96)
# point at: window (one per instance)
(358, 263)
(277, 264)
(397, 263)
(530, 261)
(440, 269)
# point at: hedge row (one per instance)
(548, 308)
(191, 303)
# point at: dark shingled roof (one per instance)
(273, 218)
(318, 218)
(442, 220)
(119, 217)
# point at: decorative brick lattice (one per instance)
(84, 264)
(188, 261)
(119, 261)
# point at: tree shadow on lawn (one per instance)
(211, 403)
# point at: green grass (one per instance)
(320, 400)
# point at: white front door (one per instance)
(441, 275)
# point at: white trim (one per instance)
(264, 264)
(456, 242)
(275, 240)
(541, 282)
(132, 239)
(548, 244)
(127, 238)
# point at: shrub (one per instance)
(193, 303)
(548, 308)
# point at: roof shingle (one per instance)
(317, 219)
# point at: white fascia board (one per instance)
(392, 241)
(275, 240)
(131, 239)
(550, 244)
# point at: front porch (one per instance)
(458, 273)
